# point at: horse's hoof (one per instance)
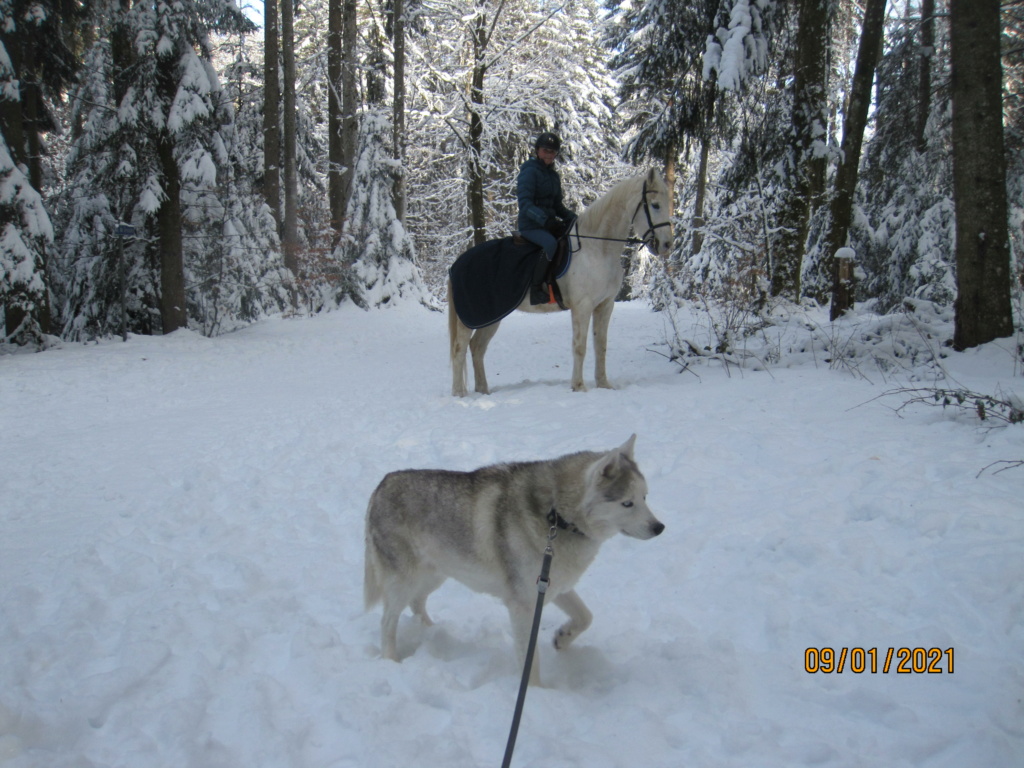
(579, 387)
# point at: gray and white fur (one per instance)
(488, 529)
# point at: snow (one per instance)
(181, 556)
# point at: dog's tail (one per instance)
(372, 592)
(371, 585)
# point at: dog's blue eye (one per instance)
(627, 503)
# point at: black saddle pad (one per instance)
(491, 279)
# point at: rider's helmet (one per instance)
(548, 140)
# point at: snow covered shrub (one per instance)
(910, 343)
(735, 303)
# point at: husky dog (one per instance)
(489, 528)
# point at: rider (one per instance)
(539, 189)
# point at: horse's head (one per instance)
(652, 217)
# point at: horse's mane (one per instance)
(625, 193)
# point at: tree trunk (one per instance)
(702, 190)
(374, 68)
(983, 306)
(271, 111)
(924, 102)
(291, 186)
(173, 309)
(808, 127)
(335, 152)
(398, 116)
(841, 208)
(475, 192)
(349, 99)
(31, 96)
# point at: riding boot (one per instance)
(539, 293)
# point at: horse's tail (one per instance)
(457, 342)
(452, 324)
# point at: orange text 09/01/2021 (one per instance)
(904, 661)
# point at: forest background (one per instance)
(169, 164)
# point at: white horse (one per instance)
(589, 286)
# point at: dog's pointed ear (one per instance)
(610, 465)
(627, 447)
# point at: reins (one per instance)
(645, 240)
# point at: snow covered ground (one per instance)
(181, 556)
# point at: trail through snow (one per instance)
(181, 557)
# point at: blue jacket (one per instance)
(539, 190)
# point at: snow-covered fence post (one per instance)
(842, 283)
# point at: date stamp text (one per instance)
(903, 661)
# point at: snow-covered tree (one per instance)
(657, 53)
(728, 247)
(903, 228)
(374, 241)
(474, 111)
(158, 151)
(25, 231)
(35, 66)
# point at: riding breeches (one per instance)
(543, 238)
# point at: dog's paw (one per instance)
(563, 639)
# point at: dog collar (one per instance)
(558, 521)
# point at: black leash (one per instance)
(542, 587)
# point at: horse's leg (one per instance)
(458, 338)
(477, 348)
(602, 317)
(580, 326)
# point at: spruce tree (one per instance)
(36, 65)
(158, 151)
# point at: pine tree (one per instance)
(36, 65)
(731, 245)
(658, 54)
(25, 231)
(375, 241)
(903, 227)
(158, 151)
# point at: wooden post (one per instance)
(842, 284)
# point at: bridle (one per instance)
(648, 236)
